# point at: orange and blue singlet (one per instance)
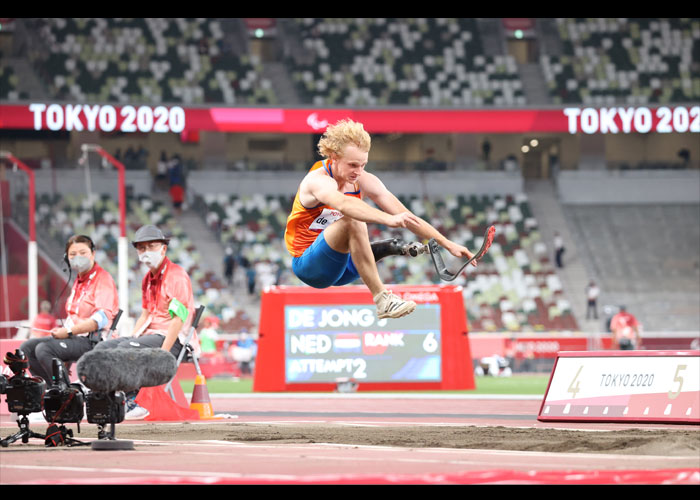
(314, 262)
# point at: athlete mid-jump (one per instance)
(327, 232)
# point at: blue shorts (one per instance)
(320, 266)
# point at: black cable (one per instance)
(70, 275)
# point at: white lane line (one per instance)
(366, 395)
(156, 472)
(470, 451)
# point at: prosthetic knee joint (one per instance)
(395, 246)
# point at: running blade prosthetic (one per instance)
(450, 273)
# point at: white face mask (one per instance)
(80, 263)
(152, 259)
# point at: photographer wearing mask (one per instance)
(167, 305)
(90, 308)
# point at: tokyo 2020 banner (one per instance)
(177, 119)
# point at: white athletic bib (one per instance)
(327, 217)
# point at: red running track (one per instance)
(225, 462)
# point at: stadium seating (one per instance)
(149, 60)
(607, 61)
(368, 61)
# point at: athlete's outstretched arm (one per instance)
(325, 190)
(375, 189)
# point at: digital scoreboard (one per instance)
(313, 339)
(325, 343)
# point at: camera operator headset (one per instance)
(91, 306)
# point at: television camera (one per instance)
(23, 394)
(66, 402)
(62, 402)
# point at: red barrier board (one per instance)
(530, 346)
(671, 476)
(310, 340)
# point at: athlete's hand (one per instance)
(404, 219)
(460, 251)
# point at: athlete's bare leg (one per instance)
(349, 235)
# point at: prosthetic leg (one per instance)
(395, 246)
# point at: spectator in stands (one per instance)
(486, 150)
(684, 155)
(625, 331)
(176, 170)
(90, 308)
(267, 274)
(176, 179)
(167, 306)
(141, 158)
(559, 249)
(329, 242)
(592, 292)
(251, 278)
(243, 261)
(229, 265)
(510, 164)
(162, 171)
(44, 321)
(244, 352)
(279, 271)
(209, 334)
(130, 158)
(554, 166)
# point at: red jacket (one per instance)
(93, 296)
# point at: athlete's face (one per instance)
(351, 163)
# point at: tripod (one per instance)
(107, 441)
(108, 409)
(24, 432)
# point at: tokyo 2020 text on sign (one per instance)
(177, 119)
(618, 386)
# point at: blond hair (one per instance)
(342, 134)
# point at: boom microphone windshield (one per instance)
(124, 369)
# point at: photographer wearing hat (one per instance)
(167, 304)
(90, 308)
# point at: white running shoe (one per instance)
(391, 306)
(134, 411)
